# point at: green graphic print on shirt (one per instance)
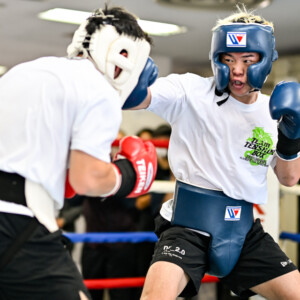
(261, 145)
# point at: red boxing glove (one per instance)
(137, 163)
(69, 191)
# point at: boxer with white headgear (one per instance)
(69, 113)
(112, 41)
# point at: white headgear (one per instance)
(104, 47)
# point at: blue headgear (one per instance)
(243, 37)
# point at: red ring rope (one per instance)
(156, 142)
(94, 284)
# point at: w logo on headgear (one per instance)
(233, 213)
(236, 39)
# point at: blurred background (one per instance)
(181, 31)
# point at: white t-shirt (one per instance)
(226, 147)
(48, 106)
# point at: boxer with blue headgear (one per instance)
(219, 152)
(243, 37)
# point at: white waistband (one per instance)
(39, 204)
(13, 208)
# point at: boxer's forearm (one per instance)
(288, 172)
(90, 176)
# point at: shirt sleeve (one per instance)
(96, 126)
(168, 97)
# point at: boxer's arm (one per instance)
(288, 172)
(146, 102)
(130, 175)
(285, 108)
(90, 176)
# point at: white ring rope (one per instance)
(294, 190)
(163, 187)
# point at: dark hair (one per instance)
(121, 19)
(146, 129)
(162, 130)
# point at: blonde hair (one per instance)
(242, 15)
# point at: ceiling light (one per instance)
(64, 15)
(77, 17)
(162, 29)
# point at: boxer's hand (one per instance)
(137, 164)
(69, 191)
(147, 78)
(285, 107)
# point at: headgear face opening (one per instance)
(243, 37)
(104, 46)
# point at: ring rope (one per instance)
(156, 142)
(138, 237)
(163, 186)
(112, 237)
(290, 236)
(134, 237)
(294, 190)
(116, 237)
(95, 284)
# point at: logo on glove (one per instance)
(143, 182)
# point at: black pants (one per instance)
(42, 269)
(261, 258)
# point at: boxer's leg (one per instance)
(283, 287)
(179, 263)
(263, 268)
(164, 280)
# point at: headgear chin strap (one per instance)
(243, 37)
(104, 46)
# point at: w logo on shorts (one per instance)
(233, 213)
(236, 39)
